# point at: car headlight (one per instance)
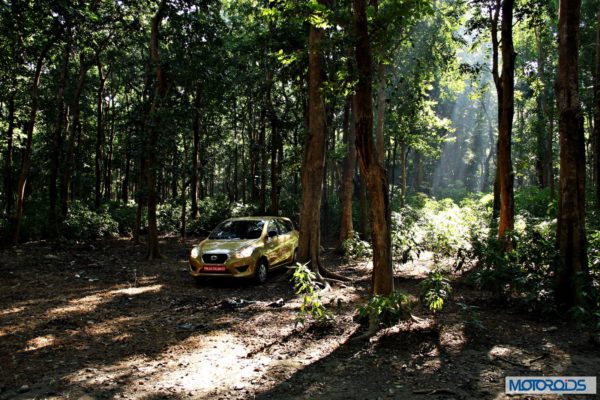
(195, 252)
(247, 252)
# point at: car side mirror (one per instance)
(272, 234)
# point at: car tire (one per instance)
(261, 272)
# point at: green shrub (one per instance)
(355, 248)
(386, 310)
(524, 273)
(84, 224)
(435, 290)
(407, 236)
(124, 214)
(168, 217)
(439, 226)
(536, 202)
(34, 225)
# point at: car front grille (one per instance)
(214, 258)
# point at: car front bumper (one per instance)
(234, 267)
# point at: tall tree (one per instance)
(314, 155)
(373, 172)
(346, 226)
(154, 133)
(596, 135)
(505, 171)
(26, 161)
(570, 230)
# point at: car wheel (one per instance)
(260, 274)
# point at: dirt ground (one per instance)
(94, 321)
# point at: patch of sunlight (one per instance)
(90, 303)
(219, 363)
(39, 342)
(453, 338)
(138, 290)
(12, 310)
(200, 366)
(81, 305)
(110, 327)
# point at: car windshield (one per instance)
(230, 230)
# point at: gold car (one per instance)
(245, 248)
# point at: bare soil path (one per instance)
(95, 321)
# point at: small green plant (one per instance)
(312, 305)
(387, 310)
(355, 248)
(435, 290)
(470, 315)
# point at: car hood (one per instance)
(225, 246)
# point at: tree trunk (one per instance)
(505, 171)
(418, 172)
(8, 158)
(151, 158)
(374, 173)
(99, 133)
(57, 138)
(314, 157)
(195, 151)
(109, 156)
(26, 161)
(67, 165)
(379, 134)
(494, 18)
(541, 129)
(346, 227)
(403, 157)
(570, 233)
(596, 135)
(263, 161)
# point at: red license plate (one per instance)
(214, 268)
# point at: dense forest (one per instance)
(439, 158)
(386, 130)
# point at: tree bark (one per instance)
(99, 133)
(151, 159)
(541, 129)
(596, 134)
(570, 233)
(346, 226)
(8, 157)
(195, 151)
(57, 138)
(379, 133)
(26, 161)
(314, 157)
(505, 171)
(67, 165)
(493, 19)
(109, 155)
(374, 173)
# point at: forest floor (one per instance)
(94, 321)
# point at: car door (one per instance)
(272, 244)
(286, 242)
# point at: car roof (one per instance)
(256, 218)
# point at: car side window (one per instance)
(289, 225)
(274, 227)
(282, 228)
